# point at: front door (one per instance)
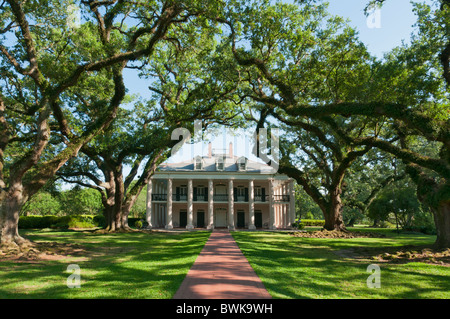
(258, 219)
(200, 219)
(220, 217)
(240, 219)
(183, 218)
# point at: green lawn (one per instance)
(141, 265)
(293, 267)
(123, 265)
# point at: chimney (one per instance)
(230, 152)
(209, 150)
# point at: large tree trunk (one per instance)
(109, 206)
(110, 224)
(116, 219)
(333, 213)
(9, 218)
(442, 222)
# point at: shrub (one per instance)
(64, 222)
(298, 225)
(313, 222)
(425, 229)
(38, 221)
(99, 220)
(132, 221)
(42, 203)
(138, 224)
(79, 221)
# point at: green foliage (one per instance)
(63, 222)
(42, 203)
(305, 205)
(313, 222)
(399, 205)
(138, 224)
(77, 201)
(302, 223)
(38, 222)
(298, 224)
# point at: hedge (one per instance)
(312, 222)
(64, 222)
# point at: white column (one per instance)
(277, 207)
(291, 202)
(271, 206)
(169, 224)
(148, 214)
(251, 205)
(190, 210)
(210, 205)
(230, 205)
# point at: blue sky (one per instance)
(396, 22)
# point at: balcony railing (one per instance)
(200, 198)
(261, 198)
(281, 198)
(219, 198)
(179, 197)
(159, 197)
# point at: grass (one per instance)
(294, 267)
(119, 266)
(142, 265)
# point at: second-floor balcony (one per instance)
(220, 198)
(280, 198)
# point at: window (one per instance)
(183, 193)
(242, 163)
(200, 193)
(220, 165)
(259, 194)
(198, 163)
(201, 190)
(240, 191)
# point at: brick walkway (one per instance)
(221, 272)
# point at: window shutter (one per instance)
(263, 194)
(177, 193)
(235, 193)
(246, 194)
(195, 193)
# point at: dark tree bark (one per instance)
(333, 214)
(15, 191)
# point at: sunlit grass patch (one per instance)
(122, 265)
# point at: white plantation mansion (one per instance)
(219, 190)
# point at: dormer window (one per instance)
(198, 163)
(220, 164)
(242, 163)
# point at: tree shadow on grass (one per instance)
(309, 268)
(133, 265)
